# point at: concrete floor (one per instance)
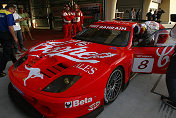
(135, 102)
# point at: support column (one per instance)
(146, 6)
(30, 5)
(110, 7)
(165, 5)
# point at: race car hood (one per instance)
(50, 60)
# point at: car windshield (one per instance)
(119, 38)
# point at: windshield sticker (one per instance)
(34, 72)
(120, 28)
(86, 68)
(163, 57)
(77, 54)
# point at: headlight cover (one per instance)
(62, 83)
(20, 61)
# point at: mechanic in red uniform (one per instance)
(78, 20)
(67, 25)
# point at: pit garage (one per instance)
(141, 93)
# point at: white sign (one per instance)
(157, 1)
(143, 65)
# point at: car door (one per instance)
(152, 55)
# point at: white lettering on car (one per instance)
(94, 106)
(83, 43)
(34, 72)
(108, 27)
(77, 54)
(77, 103)
(163, 56)
(86, 68)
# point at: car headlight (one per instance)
(62, 83)
(20, 61)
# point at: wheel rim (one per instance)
(113, 86)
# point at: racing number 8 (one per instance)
(143, 64)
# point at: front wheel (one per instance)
(114, 85)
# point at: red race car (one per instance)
(75, 77)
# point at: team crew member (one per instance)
(24, 24)
(7, 34)
(18, 33)
(78, 20)
(67, 25)
(171, 77)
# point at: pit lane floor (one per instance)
(136, 101)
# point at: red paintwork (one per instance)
(52, 105)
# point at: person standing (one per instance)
(51, 18)
(78, 20)
(24, 24)
(159, 14)
(171, 77)
(132, 13)
(154, 16)
(67, 18)
(18, 33)
(149, 15)
(138, 14)
(7, 34)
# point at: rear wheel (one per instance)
(114, 85)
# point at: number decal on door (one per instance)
(143, 65)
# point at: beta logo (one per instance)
(76, 103)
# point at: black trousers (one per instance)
(171, 78)
(6, 42)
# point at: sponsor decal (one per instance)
(77, 103)
(94, 106)
(121, 28)
(143, 64)
(163, 57)
(78, 54)
(34, 72)
(86, 68)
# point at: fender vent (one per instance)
(62, 66)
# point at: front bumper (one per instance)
(51, 107)
(22, 104)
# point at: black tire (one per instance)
(114, 85)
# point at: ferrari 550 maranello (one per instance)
(75, 77)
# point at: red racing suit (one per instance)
(67, 16)
(77, 21)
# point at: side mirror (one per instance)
(173, 17)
